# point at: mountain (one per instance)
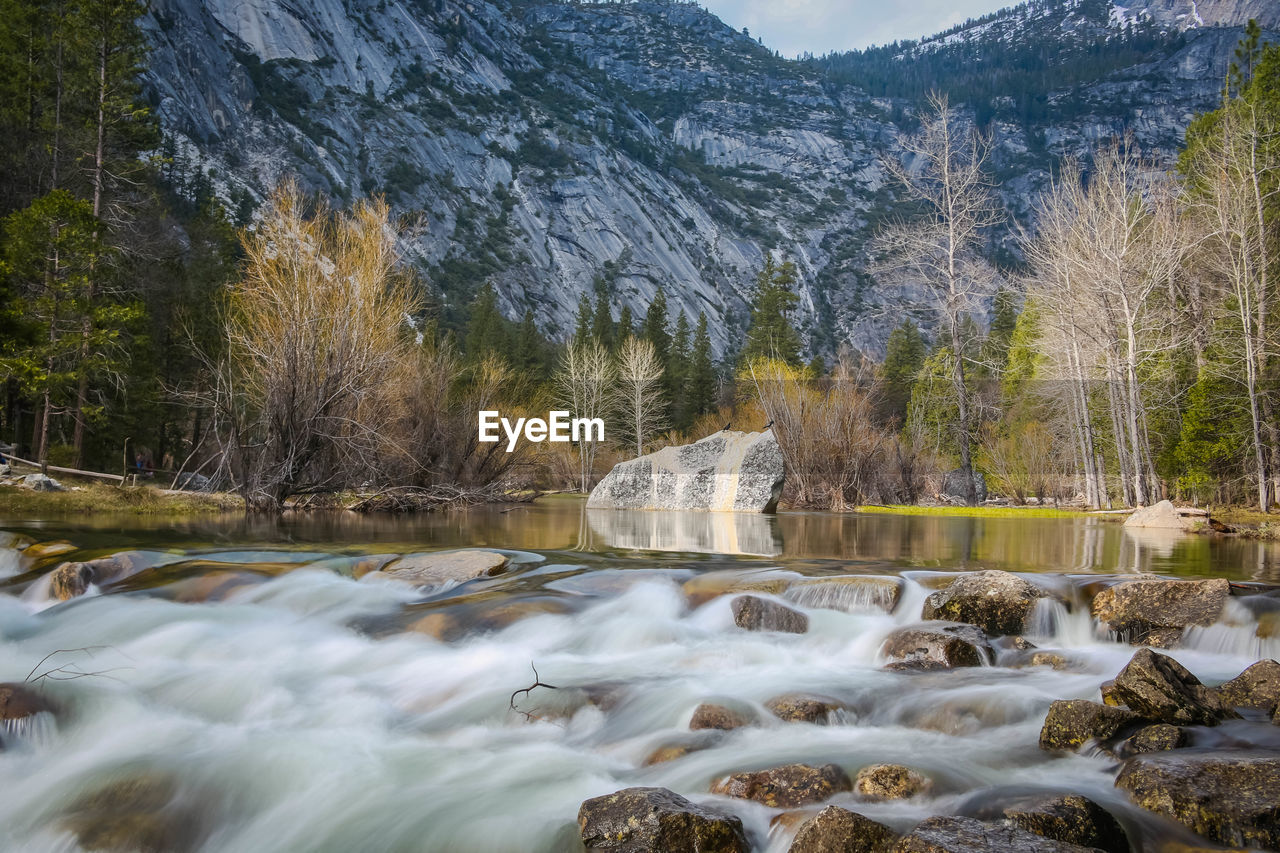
(553, 147)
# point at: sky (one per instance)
(818, 26)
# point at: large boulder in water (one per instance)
(939, 645)
(18, 701)
(1165, 516)
(787, 786)
(968, 835)
(837, 830)
(729, 471)
(1155, 611)
(997, 602)
(1230, 799)
(655, 820)
(1158, 688)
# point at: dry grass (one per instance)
(99, 498)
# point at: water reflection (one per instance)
(856, 542)
(688, 532)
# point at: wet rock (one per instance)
(1158, 688)
(1055, 660)
(1158, 738)
(729, 471)
(967, 835)
(997, 602)
(891, 782)
(701, 589)
(1165, 516)
(1230, 799)
(435, 568)
(1258, 687)
(938, 644)
(759, 614)
(1072, 722)
(787, 786)
(440, 624)
(1072, 819)
(1155, 611)
(803, 707)
(70, 580)
(709, 715)
(41, 550)
(686, 746)
(139, 813)
(19, 701)
(655, 820)
(837, 830)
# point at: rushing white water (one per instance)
(287, 726)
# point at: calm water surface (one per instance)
(248, 693)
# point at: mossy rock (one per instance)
(837, 830)
(656, 820)
(997, 602)
(785, 787)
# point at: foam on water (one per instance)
(294, 730)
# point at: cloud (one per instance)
(819, 26)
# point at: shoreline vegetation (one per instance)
(1117, 349)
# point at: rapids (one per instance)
(292, 710)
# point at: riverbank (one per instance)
(976, 511)
(17, 502)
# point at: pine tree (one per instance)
(654, 328)
(904, 356)
(582, 324)
(1004, 317)
(602, 327)
(486, 332)
(677, 372)
(626, 325)
(771, 334)
(526, 348)
(701, 386)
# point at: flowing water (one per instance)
(279, 704)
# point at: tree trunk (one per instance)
(962, 405)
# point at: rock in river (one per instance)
(1258, 687)
(439, 567)
(837, 830)
(655, 820)
(1230, 799)
(997, 602)
(938, 644)
(891, 782)
(18, 701)
(1161, 737)
(710, 715)
(760, 614)
(1155, 611)
(967, 835)
(1073, 819)
(803, 707)
(1072, 722)
(1158, 688)
(787, 786)
(727, 471)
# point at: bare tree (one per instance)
(1229, 195)
(315, 341)
(940, 252)
(586, 385)
(640, 389)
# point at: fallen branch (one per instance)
(537, 682)
(69, 671)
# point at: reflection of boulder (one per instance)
(694, 532)
(727, 471)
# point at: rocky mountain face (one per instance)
(554, 147)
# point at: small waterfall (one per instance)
(850, 595)
(37, 730)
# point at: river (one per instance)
(279, 704)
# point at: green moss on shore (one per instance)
(975, 511)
